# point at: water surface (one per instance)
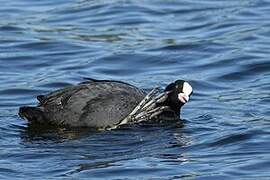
(222, 48)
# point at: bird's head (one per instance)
(179, 94)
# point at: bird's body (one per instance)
(96, 104)
(89, 104)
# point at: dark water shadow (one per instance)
(36, 133)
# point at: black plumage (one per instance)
(94, 103)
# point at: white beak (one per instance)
(187, 90)
(183, 98)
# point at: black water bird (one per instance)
(105, 104)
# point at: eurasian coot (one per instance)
(106, 104)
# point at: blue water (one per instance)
(221, 47)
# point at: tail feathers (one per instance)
(32, 114)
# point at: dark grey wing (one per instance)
(109, 104)
(92, 104)
(55, 96)
(53, 105)
(102, 112)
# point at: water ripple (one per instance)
(220, 48)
